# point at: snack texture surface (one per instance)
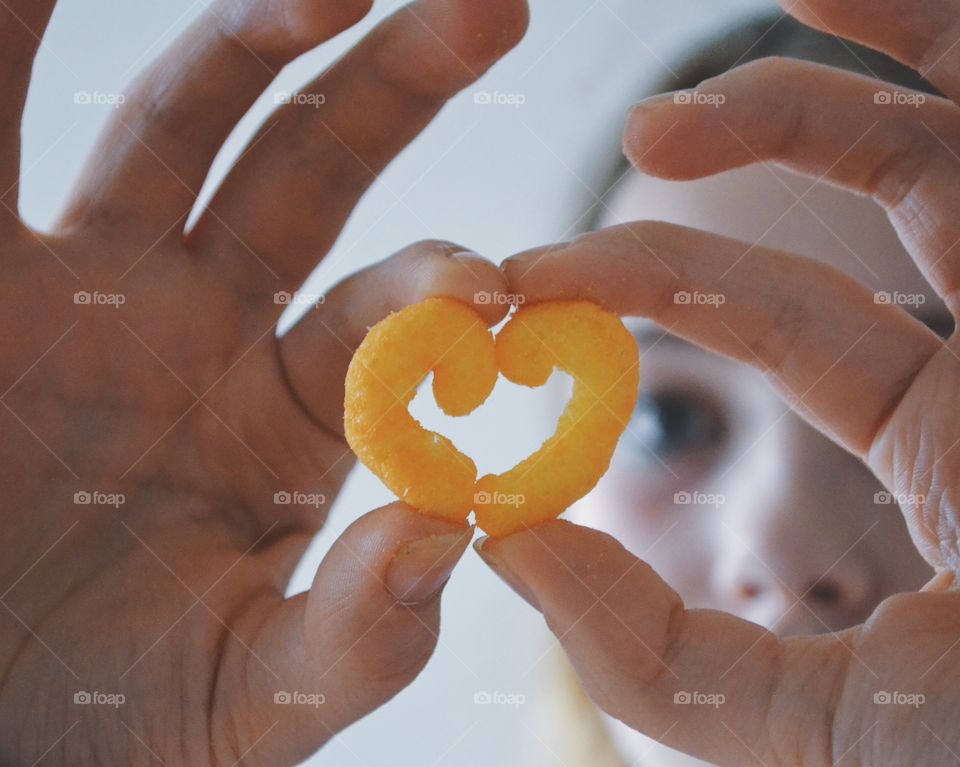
(449, 338)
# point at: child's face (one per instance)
(733, 499)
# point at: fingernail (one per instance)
(652, 103)
(518, 258)
(501, 568)
(536, 254)
(421, 568)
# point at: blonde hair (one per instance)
(578, 733)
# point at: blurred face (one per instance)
(737, 502)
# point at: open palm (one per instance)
(165, 458)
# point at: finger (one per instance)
(319, 161)
(921, 35)
(638, 652)
(840, 358)
(824, 123)
(155, 153)
(22, 26)
(319, 661)
(317, 352)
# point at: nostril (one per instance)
(825, 593)
(748, 591)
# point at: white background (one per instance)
(495, 179)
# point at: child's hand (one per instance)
(868, 374)
(165, 460)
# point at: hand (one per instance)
(869, 375)
(165, 460)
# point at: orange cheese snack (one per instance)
(450, 339)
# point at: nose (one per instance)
(798, 556)
(799, 593)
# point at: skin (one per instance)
(874, 378)
(183, 400)
(782, 482)
(176, 601)
(760, 553)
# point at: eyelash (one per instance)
(677, 423)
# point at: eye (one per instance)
(674, 423)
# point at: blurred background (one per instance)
(496, 177)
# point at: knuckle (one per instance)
(397, 652)
(936, 48)
(892, 181)
(767, 80)
(906, 166)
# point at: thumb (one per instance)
(700, 681)
(322, 660)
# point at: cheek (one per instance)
(680, 543)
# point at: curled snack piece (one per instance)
(447, 337)
(422, 467)
(601, 356)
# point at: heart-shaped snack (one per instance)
(450, 339)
